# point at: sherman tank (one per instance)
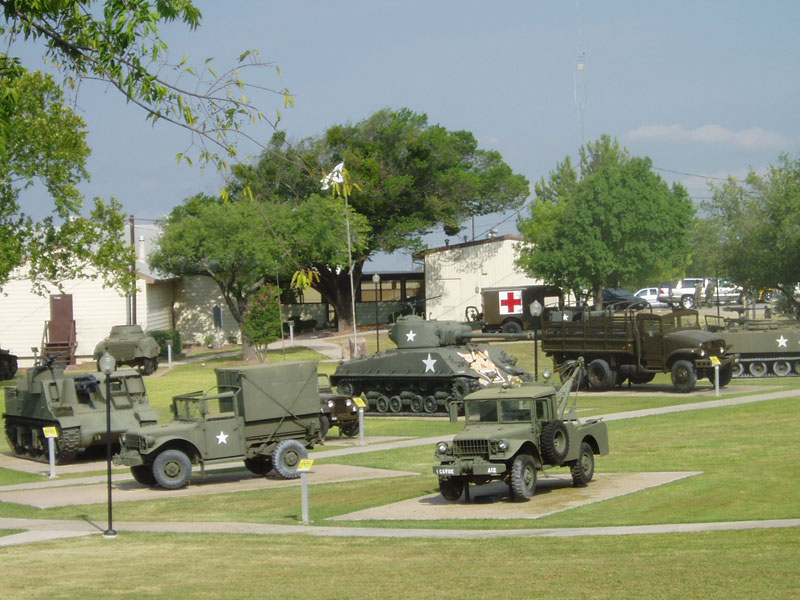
(434, 364)
(76, 406)
(765, 347)
(8, 365)
(129, 345)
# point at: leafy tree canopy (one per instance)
(757, 224)
(613, 223)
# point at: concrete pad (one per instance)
(554, 493)
(214, 483)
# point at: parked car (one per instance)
(727, 292)
(650, 295)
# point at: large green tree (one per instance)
(116, 42)
(45, 143)
(411, 177)
(243, 245)
(757, 227)
(614, 222)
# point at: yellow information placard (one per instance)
(714, 360)
(360, 402)
(50, 432)
(305, 465)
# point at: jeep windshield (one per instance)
(513, 410)
(680, 321)
(187, 408)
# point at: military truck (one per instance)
(45, 396)
(129, 345)
(508, 309)
(336, 410)
(8, 365)
(267, 415)
(635, 345)
(514, 431)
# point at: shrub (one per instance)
(162, 336)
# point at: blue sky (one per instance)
(702, 88)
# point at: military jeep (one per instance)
(514, 431)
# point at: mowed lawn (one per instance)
(748, 456)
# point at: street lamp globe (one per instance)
(107, 363)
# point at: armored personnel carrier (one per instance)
(765, 347)
(76, 406)
(433, 365)
(129, 345)
(8, 365)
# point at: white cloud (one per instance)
(711, 134)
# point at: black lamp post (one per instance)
(107, 366)
(376, 279)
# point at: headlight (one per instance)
(122, 440)
(442, 447)
(502, 445)
(330, 403)
(348, 402)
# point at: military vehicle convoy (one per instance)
(635, 345)
(764, 347)
(76, 406)
(514, 431)
(129, 345)
(433, 366)
(8, 365)
(267, 415)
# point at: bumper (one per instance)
(462, 468)
(128, 458)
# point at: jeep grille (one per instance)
(471, 447)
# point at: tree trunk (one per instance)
(335, 289)
(248, 349)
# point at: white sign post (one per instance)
(51, 433)
(715, 360)
(304, 468)
(360, 404)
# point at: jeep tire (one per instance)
(523, 478)
(172, 469)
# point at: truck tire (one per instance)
(684, 376)
(143, 474)
(725, 375)
(287, 456)
(172, 469)
(555, 442)
(582, 470)
(349, 429)
(451, 488)
(523, 477)
(324, 426)
(511, 327)
(601, 377)
(687, 301)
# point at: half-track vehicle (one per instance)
(433, 366)
(336, 410)
(764, 347)
(267, 415)
(514, 431)
(76, 406)
(635, 345)
(8, 365)
(129, 345)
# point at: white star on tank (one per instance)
(410, 336)
(222, 438)
(429, 362)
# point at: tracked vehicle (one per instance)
(76, 406)
(129, 345)
(435, 364)
(765, 347)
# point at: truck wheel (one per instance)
(260, 465)
(143, 474)
(725, 375)
(287, 456)
(687, 301)
(601, 377)
(781, 367)
(324, 426)
(555, 442)
(684, 377)
(451, 488)
(758, 368)
(523, 477)
(349, 429)
(583, 469)
(172, 469)
(511, 327)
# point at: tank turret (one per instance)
(76, 406)
(435, 364)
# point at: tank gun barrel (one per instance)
(528, 335)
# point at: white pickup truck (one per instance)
(684, 291)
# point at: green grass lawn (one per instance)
(748, 455)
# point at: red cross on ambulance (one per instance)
(510, 302)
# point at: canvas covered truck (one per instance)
(509, 309)
(266, 415)
(514, 431)
(635, 345)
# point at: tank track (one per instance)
(769, 362)
(68, 443)
(401, 396)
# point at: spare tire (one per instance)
(555, 442)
